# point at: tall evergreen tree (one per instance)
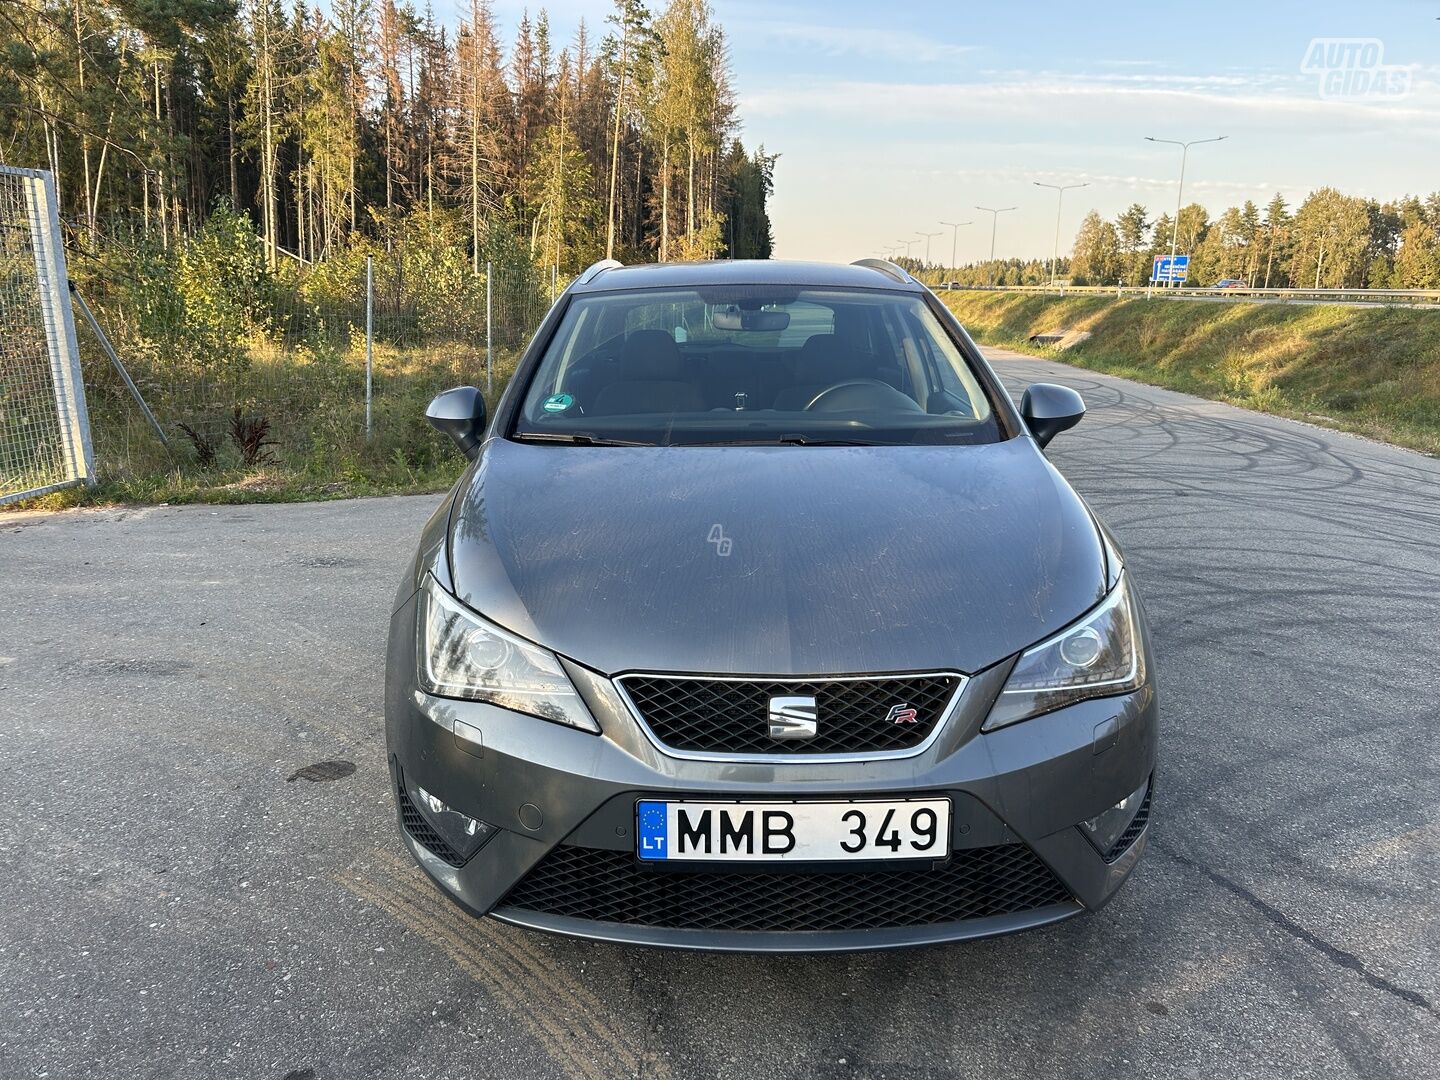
(324, 119)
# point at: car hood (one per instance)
(783, 560)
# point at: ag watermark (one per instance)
(1354, 69)
(723, 544)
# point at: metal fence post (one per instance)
(69, 383)
(44, 421)
(489, 352)
(369, 339)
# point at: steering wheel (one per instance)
(888, 395)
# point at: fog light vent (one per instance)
(441, 829)
(1113, 831)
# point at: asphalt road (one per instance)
(173, 904)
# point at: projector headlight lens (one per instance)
(1098, 656)
(463, 656)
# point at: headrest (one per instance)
(653, 356)
(828, 358)
(850, 324)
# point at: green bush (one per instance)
(221, 278)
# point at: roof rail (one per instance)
(596, 269)
(888, 268)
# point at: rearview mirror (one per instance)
(1049, 409)
(460, 414)
(737, 318)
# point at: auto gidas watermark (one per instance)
(1354, 69)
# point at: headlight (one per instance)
(463, 656)
(1096, 657)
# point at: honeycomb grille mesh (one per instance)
(416, 825)
(731, 717)
(609, 886)
(1134, 829)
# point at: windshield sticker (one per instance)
(558, 402)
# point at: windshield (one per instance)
(746, 365)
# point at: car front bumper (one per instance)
(555, 792)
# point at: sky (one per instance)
(893, 117)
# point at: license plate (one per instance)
(856, 831)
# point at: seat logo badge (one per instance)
(901, 714)
(792, 717)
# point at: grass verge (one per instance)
(256, 485)
(1375, 372)
(313, 444)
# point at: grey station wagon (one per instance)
(759, 620)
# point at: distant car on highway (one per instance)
(1231, 283)
(759, 620)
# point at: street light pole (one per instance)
(1180, 191)
(927, 236)
(994, 221)
(907, 244)
(954, 240)
(1059, 190)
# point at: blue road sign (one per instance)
(1168, 269)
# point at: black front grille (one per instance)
(609, 886)
(731, 716)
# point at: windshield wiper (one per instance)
(589, 438)
(810, 440)
(576, 438)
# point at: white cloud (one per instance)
(855, 41)
(1265, 106)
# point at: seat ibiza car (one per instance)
(759, 620)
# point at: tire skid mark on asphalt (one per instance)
(541, 990)
(516, 997)
(521, 950)
(1279, 919)
(426, 915)
(1422, 841)
(582, 1007)
(533, 986)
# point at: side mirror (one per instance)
(1049, 409)
(460, 414)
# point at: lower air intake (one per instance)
(608, 886)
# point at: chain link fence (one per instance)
(285, 383)
(44, 436)
(254, 375)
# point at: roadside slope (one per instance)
(1373, 372)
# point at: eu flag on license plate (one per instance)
(652, 830)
